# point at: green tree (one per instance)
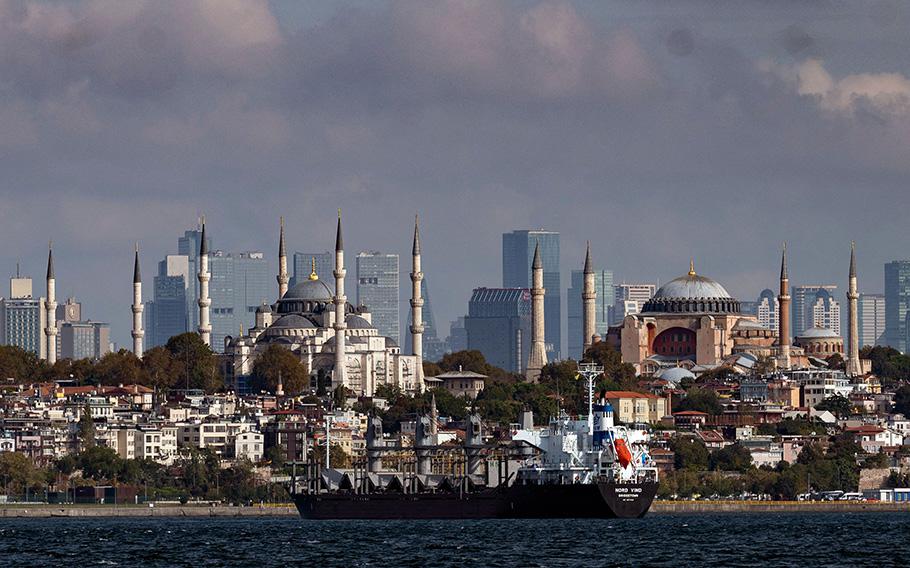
(902, 400)
(86, 429)
(100, 463)
(615, 371)
(19, 365)
(702, 400)
(195, 362)
(121, 367)
(690, 453)
(836, 362)
(472, 360)
(18, 473)
(278, 362)
(734, 457)
(161, 370)
(837, 404)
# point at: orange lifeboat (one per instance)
(622, 453)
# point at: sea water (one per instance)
(761, 540)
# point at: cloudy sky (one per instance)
(658, 130)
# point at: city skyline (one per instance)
(657, 131)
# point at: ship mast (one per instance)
(590, 371)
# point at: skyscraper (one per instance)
(84, 339)
(498, 325)
(303, 266)
(603, 285)
(167, 314)
(767, 310)
(517, 255)
(377, 289)
(241, 282)
(629, 300)
(897, 302)
(871, 319)
(815, 306)
(23, 318)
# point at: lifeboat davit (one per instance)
(622, 453)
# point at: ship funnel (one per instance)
(527, 419)
(375, 444)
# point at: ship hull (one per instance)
(598, 500)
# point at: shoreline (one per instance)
(38, 511)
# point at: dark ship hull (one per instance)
(603, 499)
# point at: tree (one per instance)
(765, 365)
(121, 367)
(472, 360)
(734, 457)
(702, 400)
(161, 370)
(18, 473)
(902, 400)
(86, 429)
(837, 404)
(275, 363)
(431, 369)
(690, 453)
(836, 362)
(195, 362)
(18, 364)
(604, 354)
(100, 463)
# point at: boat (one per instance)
(575, 467)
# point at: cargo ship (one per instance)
(585, 467)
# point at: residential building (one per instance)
(460, 383)
(377, 289)
(871, 315)
(629, 299)
(517, 256)
(635, 407)
(897, 303)
(498, 325)
(220, 436)
(249, 445)
(815, 306)
(603, 285)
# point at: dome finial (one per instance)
(691, 267)
(313, 275)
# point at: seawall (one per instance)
(45, 511)
(712, 507)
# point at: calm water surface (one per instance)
(816, 540)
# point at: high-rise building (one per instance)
(23, 318)
(517, 255)
(767, 310)
(603, 285)
(815, 306)
(458, 335)
(871, 315)
(377, 289)
(303, 266)
(498, 325)
(166, 314)
(84, 339)
(240, 283)
(629, 300)
(897, 303)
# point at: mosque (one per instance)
(333, 338)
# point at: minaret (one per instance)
(783, 306)
(205, 328)
(417, 304)
(340, 375)
(854, 367)
(282, 264)
(50, 306)
(538, 356)
(589, 298)
(137, 333)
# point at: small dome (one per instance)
(819, 333)
(293, 321)
(675, 375)
(357, 322)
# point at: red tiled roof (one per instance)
(690, 413)
(629, 394)
(864, 429)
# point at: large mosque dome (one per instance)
(692, 293)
